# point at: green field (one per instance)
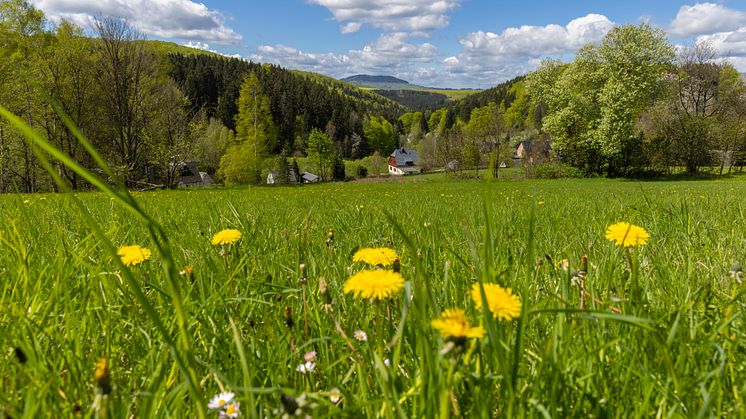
(245, 317)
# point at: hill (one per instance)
(371, 81)
(413, 96)
(299, 101)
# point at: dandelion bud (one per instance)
(584, 263)
(330, 238)
(20, 355)
(102, 375)
(288, 314)
(323, 290)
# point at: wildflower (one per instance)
(102, 375)
(335, 395)
(309, 366)
(221, 400)
(360, 335)
(387, 362)
(188, 271)
(133, 255)
(381, 256)
(626, 234)
(225, 237)
(453, 323)
(231, 411)
(309, 356)
(502, 303)
(376, 284)
(26, 201)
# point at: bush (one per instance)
(547, 171)
(362, 171)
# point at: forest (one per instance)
(631, 106)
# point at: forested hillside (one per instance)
(298, 101)
(416, 100)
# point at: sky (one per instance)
(442, 43)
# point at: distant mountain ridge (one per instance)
(364, 79)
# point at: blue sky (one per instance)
(447, 43)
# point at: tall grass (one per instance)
(244, 318)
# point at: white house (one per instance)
(404, 161)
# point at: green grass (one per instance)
(676, 351)
(454, 94)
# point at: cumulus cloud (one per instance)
(534, 41)
(391, 53)
(489, 58)
(182, 19)
(706, 19)
(393, 15)
(729, 44)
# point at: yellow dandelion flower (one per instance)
(503, 304)
(626, 234)
(133, 255)
(227, 236)
(382, 256)
(378, 284)
(454, 323)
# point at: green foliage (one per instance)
(240, 165)
(254, 120)
(594, 103)
(320, 152)
(381, 135)
(361, 171)
(338, 168)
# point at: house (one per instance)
(532, 152)
(307, 177)
(404, 161)
(189, 176)
(272, 178)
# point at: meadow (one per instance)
(603, 331)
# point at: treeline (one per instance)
(634, 105)
(148, 113)
(631, 106)
(416, 100)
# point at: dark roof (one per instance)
(188, 172)
(309, 177)
(405, 157)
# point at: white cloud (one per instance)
(489, 58)
(183, 19)
(728, 44)
(389, 54)
(351, 27)
(535, 41)
(706, 19)
(393, 15)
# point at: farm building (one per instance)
(404, 161)
(307, 177)
(189, 176)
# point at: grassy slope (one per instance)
(65, 305)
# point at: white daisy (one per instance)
(231, 411)
(360, 335)
(306, 368)
(221, 400)
(335, 395)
